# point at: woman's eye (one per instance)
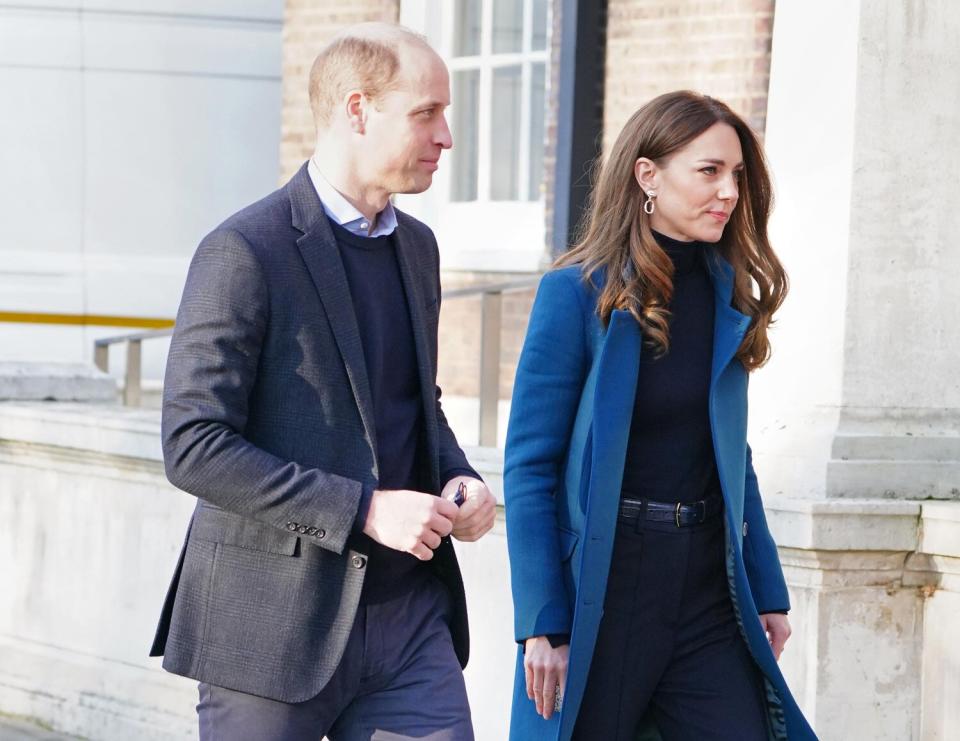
(709, 170)
(737, 174)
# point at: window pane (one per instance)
(466, 25)
(537, 96)
(538, 39)
(466, 116)
(507, 26)
(505, 134)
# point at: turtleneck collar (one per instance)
(686, 256)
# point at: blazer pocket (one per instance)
(219, 526)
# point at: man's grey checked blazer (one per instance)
(268, 420)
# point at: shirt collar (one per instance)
(344, 213)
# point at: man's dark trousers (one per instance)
(268, 420)
(669, 643)
(398, 678)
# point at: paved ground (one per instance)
(15, 729)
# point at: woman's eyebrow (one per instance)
(719, 163)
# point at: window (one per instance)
(497, 61)
(486, 205)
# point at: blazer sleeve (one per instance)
(760, 557)
(550, 375)
(211, 369)
(453, 462)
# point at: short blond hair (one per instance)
(363, 57)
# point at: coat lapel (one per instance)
(318, 247)
(729, 325)
(409, 273)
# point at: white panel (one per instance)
(40, 160)
(58, 5)
(254, 9)
(182, 45)
(119, 285)
(175, 158)
(39, 38)
(41, 343)
(165, 167)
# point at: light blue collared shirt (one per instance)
(340, 210)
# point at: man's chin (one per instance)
(417, 186)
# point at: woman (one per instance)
(647, 588)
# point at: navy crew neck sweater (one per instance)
(670, 456)
(386, 335)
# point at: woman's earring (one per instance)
(649, 204)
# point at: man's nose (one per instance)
(442, 135)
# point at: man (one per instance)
(318, 592)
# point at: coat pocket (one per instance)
(219, 526)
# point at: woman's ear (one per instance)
(647, 174)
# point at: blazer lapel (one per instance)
(318, 247)
(409, 272)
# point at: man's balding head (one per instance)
(365, 57)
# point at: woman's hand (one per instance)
(546, 671)
(777, 628)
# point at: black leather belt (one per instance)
(681, 514)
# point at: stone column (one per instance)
(856, 420)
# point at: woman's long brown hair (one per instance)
(617, 241)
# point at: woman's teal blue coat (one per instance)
(569, 423)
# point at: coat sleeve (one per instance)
(550, 375)
(211, 369)
(760, 557)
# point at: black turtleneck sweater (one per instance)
(670, 455)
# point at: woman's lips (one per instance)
(719, 215)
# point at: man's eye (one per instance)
(427, 113)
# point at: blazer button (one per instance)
(311, 531)
(320, 534)
(302, 529)
(292, 527)
(359, 562)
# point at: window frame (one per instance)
(483, 234)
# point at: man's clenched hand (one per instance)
(410, 521)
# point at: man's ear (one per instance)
(355, 105)
(647, 174)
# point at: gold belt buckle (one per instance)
(677, 516)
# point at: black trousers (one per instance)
(669, 643)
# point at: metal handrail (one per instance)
(132, 386)
(491, 313)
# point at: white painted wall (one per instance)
(128, 131)
(795, 399)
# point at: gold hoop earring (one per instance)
(649, 206)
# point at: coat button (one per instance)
(745, 528)
(359, 562)
(320, 534)
(311, 531)
(302, 529)
(292, 527)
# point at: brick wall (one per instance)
(459, 339)
(717, 47)
(307, 26)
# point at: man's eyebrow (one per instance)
(430, 103)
